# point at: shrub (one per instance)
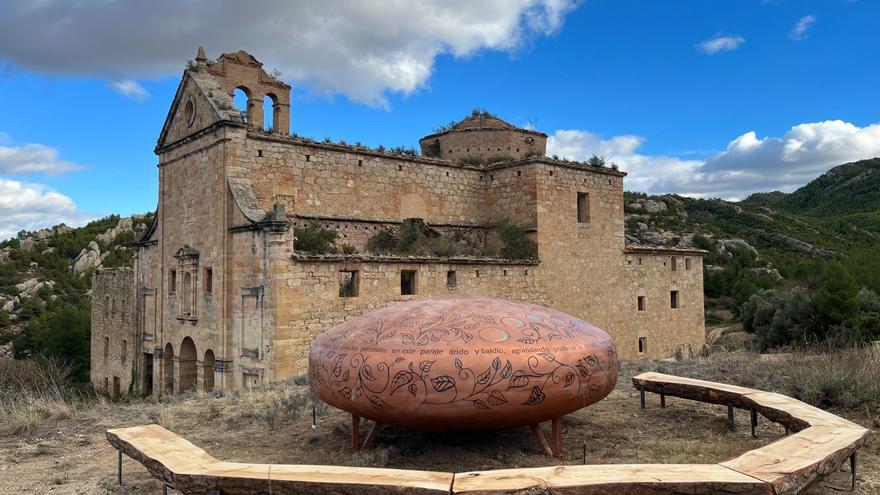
(838, 295)
(848, 378)
(348, 249)
(314, 239)
(778, 318)
(382, 242)
(516, 244)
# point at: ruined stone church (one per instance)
(220, 298)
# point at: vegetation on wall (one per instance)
(314, 239)
(515, 242)
(415, 238)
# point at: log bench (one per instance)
(188, 469)
(821, 442)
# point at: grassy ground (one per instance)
(58, 446)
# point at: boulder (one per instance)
(27, 243)
(125, 223)
(727, 247)
(772, 273)
(88, 258)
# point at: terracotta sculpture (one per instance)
(463, 362)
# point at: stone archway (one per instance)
(168, 360)
(208, 366)
(187, 364)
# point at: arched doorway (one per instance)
(168, 359)
(187, 362)
(208, 367)
(270, 119)
(241, 99)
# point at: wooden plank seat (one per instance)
(189, 469)
(611, 479)
(820, 444)
(823, 442)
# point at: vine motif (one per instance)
(483, 390)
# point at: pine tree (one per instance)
(838, 295)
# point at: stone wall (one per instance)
(113, 341)
(309, 302)
(484, 146)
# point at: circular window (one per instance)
(189, 112)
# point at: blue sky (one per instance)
(701, 97)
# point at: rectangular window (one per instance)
(407, 282)
(348, 283)
(113, 306)
(674, 263)
(451, 281)
(673, 299)
(107, 306)
(643, 345)
(209, 280)
(106, 347)
(687, 263)
(641, 303)
(116, 386)
(124, 352)
(172, 282)
(583, 207)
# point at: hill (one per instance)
(45, 278)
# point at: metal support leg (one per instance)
(541, 439)
(853, 460)
(754, 423)
(372, 435)
(164, 489)
(663, 401)
(355, 432)
(556, 432)
(642, 398)
(119, 469)
(729, 417)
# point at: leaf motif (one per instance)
(484, 377)
(435, 339)
(591, 360)
(553, 336)
(505, 372)
(399, 359)
(536, 397)
(526, 340)
(345, 392)
(583, 370)
(412, 389)
(569, 379)
(480, 404)
(346, 376)
(496, 398)
(443, 383)
(425, 366)
(367, 372)
(400, 379)
(378, 403)
(518, 380)
(466, 337)
(458, 364)
(407, 338)
(496, 363)
(423, 340)
(535, 326)
(337, 365)
(548, 356)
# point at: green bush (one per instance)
(315, 239)
(838, 295)
(516, 244)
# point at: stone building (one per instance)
(221, 299)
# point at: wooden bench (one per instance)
(189, 469)
(821, 443)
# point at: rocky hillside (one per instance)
(45, 278)
(771, 239)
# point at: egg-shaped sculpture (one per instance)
(463, 362)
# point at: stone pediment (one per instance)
(187, 252)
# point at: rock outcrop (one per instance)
(88, 258)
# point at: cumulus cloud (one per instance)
(32, 158)
(130, 89)
(26, 206)
(748, 164)
(361, 48)
(720, 43)
(799, 31)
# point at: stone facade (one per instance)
(221, 299)
(113, 338)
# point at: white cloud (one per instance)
(720, 43)
(130, 89)
(361, 48)
(26, 206)
(799, 31)
(32, 158)
(748, 164)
